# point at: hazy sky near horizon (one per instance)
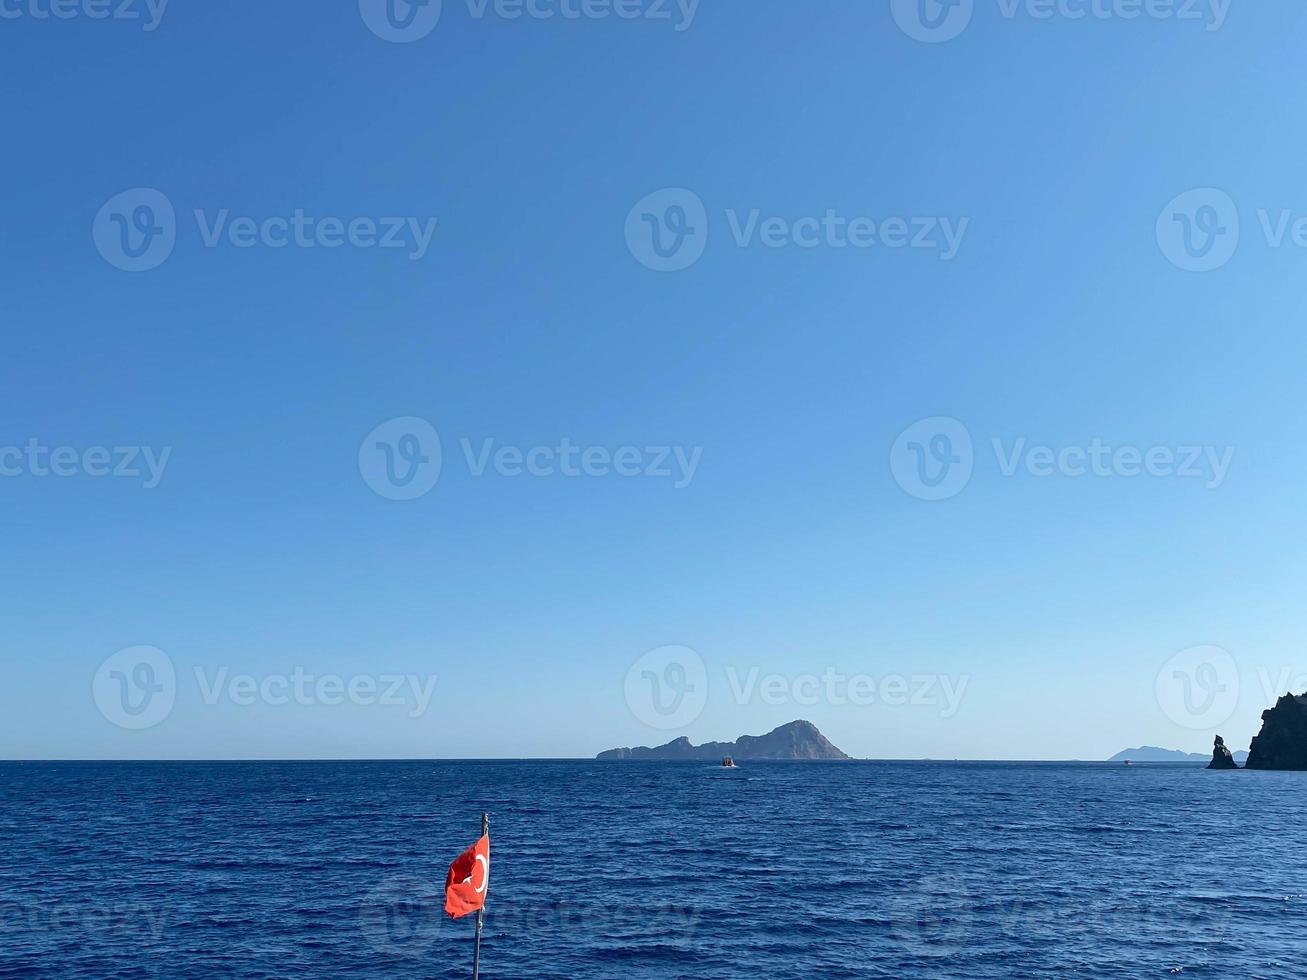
(1117, 363)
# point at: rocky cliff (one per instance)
(797, 740)
(1282, 743)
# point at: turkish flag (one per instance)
(468, 879)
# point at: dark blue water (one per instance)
(311, 870)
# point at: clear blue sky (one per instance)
(529, 320)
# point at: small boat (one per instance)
(729, 763)
(1128, 762)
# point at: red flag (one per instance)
(468, 879)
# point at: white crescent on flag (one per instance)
(484, 861)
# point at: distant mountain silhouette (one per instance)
(797, 740)
(1151, 753)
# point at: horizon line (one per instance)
(615, 762)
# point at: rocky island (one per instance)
(797, 740)
(1282, 743)
(1222, 758)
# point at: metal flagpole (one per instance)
(481, 912)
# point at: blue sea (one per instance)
(652, 870)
